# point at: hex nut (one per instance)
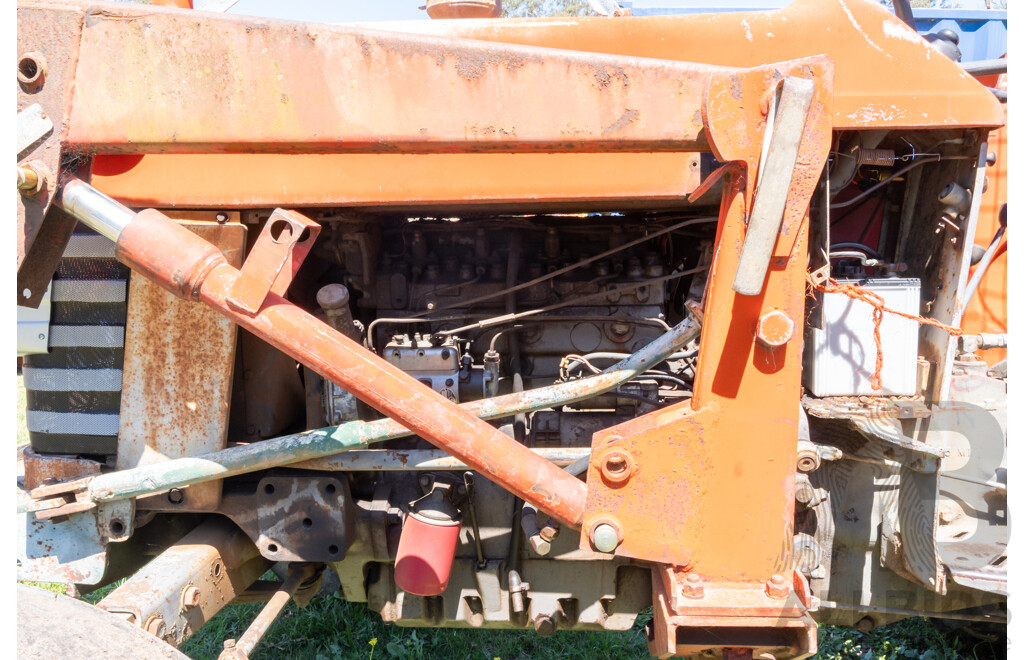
(807, 461)
(693, 586)
(190, 596)
(774, 330)
(155, 626)
(32, 70)
(776, 587)
(617, 466)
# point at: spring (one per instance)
(884, 157)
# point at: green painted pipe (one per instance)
(180, 472)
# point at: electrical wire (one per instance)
(571, 267)
(511, 318)
(892, 177)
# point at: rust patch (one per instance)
(40, 470)
(736, 87)
(473, 64)
(177, 375)
(628, 117)
(604, 76)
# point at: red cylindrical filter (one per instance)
(427, 546)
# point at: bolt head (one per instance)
(605, 537)
(693, 586)
(777, 587)
(540, 545)
(807, 461)
(190, 596)
(774, 330)
(155, 626)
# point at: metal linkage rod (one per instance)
(243, 648)
(404, 460)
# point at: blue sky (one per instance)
(331, 11)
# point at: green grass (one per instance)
(330, 628)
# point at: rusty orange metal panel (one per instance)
(683, 485)
(178, 362)
(230, 84)
(459, 182)
(987, 311)
(886, 75)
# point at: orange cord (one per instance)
(876, 301)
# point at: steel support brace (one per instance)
(705, 488)
(176, 593)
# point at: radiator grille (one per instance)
(74, 391)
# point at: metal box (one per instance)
(840, 357)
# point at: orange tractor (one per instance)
(509, 323)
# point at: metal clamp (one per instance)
(282, 246)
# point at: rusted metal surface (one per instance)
(208, 567)
(682, 487)
(879, 407)
(72, 549)
(273, 260)
(178, 362)
(692, 616)
(950, 298)
(306, 518)
(47, 55)
(272, 86)
(357, 435)
(921, 88)
(40, 469)
(242, 649)
(755, 388)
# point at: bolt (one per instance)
(190, 596)
(777, 587)
(229, 644)
(605, 537)
(540, 545)
(804, 493)
(28, 179)
(774, 329)
(807, 461)
(155, 626)
(222, 218)
(693, 586)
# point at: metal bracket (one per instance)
(282, 246)
(33, 125)
(772, 192)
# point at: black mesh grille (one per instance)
(85, 337)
